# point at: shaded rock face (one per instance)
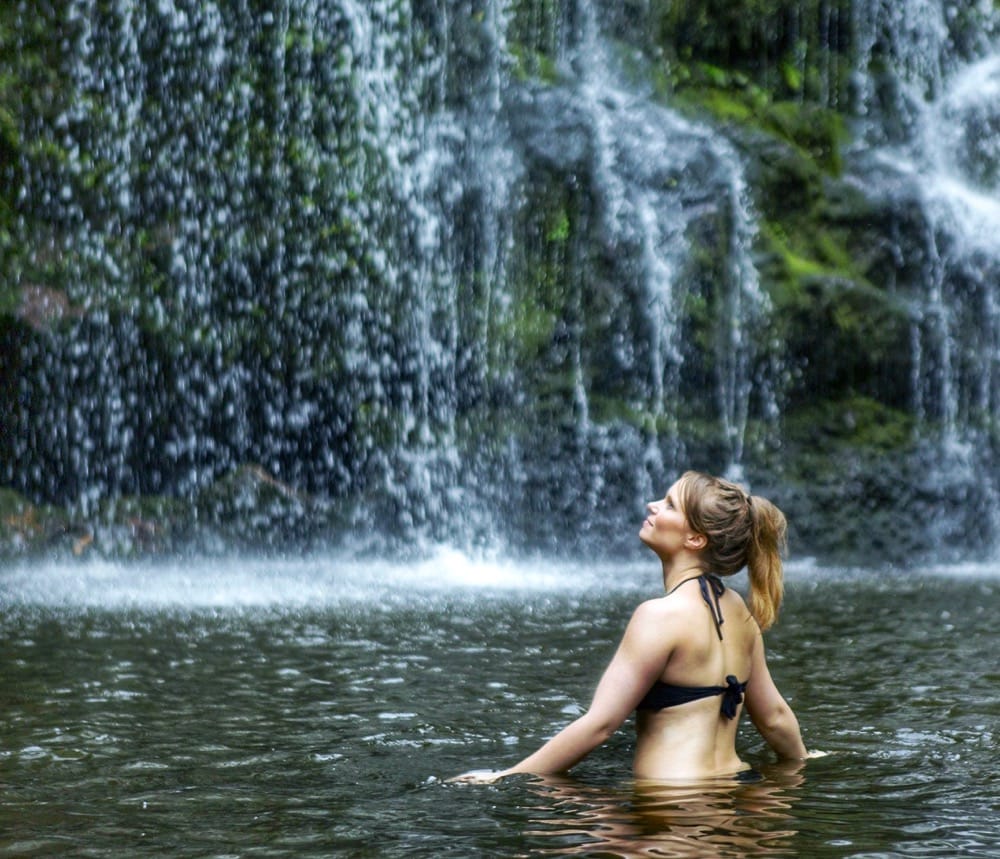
(479, 270)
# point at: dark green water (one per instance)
(315, 708)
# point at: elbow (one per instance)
(600, 728)
(775, 720)
(780, 729)
(606, 731)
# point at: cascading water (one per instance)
(956, 153)
(937, 143)
(940, 136)
(454, 267)
(314, 207)
(641, 149)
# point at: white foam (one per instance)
(445, 577)
(306, 582)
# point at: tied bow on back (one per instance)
(732, 697)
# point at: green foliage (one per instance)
(792, 49)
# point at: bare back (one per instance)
(694, 739)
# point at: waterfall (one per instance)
(933, 147)
(641, 147)
(333, 189)
(460, 272)
(949, 157)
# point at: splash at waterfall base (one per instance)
(854, 511)
(392, 275)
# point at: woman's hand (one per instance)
(479, 777)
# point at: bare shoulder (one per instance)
(734, 602)
(656, 624)
(661, 617)
(658, 610)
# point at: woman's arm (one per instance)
(636, 665)
(769, 711)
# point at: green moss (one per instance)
(809, 253)
(533, 65)
(540, 280)
(856, 422)
(615, 411)
(533, 39)
(10, 295)
(793, 48)
(792, 77)
(721, 104)
(559, 227)
(534, 324)
(817, 133)
(796, 266)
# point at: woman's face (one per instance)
(666, 529)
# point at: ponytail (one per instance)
(742, 531)
(768, 540)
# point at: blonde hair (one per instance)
(741, 531)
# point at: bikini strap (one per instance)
(711, 589)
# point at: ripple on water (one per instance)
(141, 728)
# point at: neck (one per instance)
(676, 570)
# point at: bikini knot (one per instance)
(732, 697)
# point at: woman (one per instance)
(691, 660)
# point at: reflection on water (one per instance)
(722, 817)
(314, 708)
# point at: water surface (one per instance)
(316, 707)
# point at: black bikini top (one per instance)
(667, 695)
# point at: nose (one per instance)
(652, 506)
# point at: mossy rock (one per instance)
(20, 523)
(902, 506)
(250, 508)
(859, 483)
(144, 525)
(842, 338)
(856, 423)
(31, 529)
(815, 133)
(884, 236)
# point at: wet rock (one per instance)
(31, 529)
(249, 507)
